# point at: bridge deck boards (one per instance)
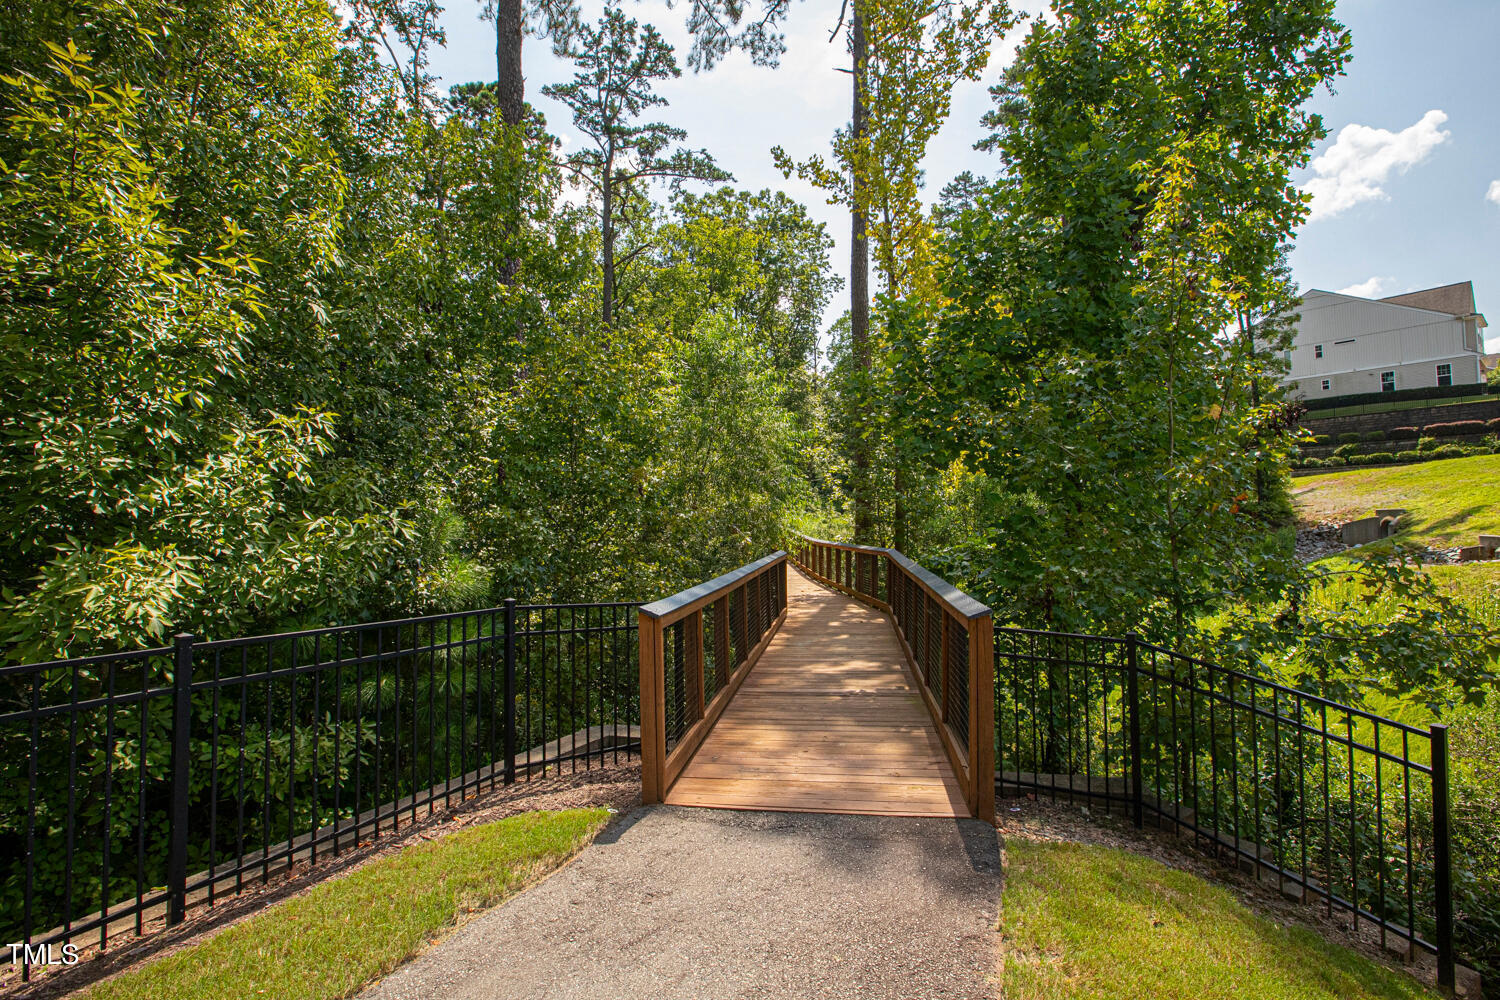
(826, 721)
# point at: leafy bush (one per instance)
(1426, 444)
(1402, 434)
(1475, 751)
(1311, 463)
(1372, 436)
(1345, 451)
(1322, 439)
(1375, 458)
(1454, 428)
(1349, 437)
(1450, 451)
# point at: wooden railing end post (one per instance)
(653, 710)
(982, 715)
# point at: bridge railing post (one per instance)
(653, 709)
(692, 667)
(981, 682)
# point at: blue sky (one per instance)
(1407, 184)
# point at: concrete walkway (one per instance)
(702, 904)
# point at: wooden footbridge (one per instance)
(842, 679)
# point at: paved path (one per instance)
(699, 904)
(828, 720)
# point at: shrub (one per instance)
(1310, 463)
(1322, 439)
(1402, 434)
(1344, 451)
(1426, 444)
(1411, 455)
(1449, 451)
(1376, 458)
(1493, 425)
(1372, 436)
(1349, 437)
(1456, 428)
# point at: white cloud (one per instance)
(1494, 194)
(1371, 288)
(1362, 158)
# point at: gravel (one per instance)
(688, 903)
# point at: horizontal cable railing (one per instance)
(142, 784)
(1331, 803)
(946, 636)
(695, 649)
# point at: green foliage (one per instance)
(758, 255)
(1475, 751)
(146, 487)
(1379, 626)
(618, 64)
(1352, 437)
(1077, 358)
(288, 332)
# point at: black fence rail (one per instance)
(1334, 804)
(138, 785)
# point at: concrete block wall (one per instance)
(1417, 417)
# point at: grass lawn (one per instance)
(1091, 922)
(1449, 501)
(332, 940)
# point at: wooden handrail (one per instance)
(683, 603)
(745, 608)
(969, 741)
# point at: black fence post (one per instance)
(509, 713)
(1133, 696)
(182, 720)
(1442, 856)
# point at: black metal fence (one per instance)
(1334, 804)
(141, 784)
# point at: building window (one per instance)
(1318, 353)
(1445, 374)
(1326, 385)
(1387, 381)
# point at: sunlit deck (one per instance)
(828, 720)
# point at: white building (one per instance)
(1346, 345)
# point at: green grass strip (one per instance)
(1450, 501)
(344, 933)
(1089, 922)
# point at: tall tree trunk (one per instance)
(510, 85)
(859, 300)
(898, 514)
(608, 297)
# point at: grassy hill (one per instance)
(1094, 923)
(1449, 501)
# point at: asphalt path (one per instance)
(704, 904)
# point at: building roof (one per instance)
(1455, 300)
